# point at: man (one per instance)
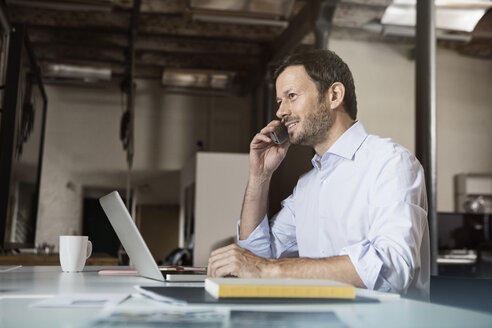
(359, 216)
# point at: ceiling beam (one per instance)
(199, 61)
(202, 60)
(292, 36)
(185, 26)
(68, 52)
(323, 22)
(366, 3)
(300, 25)
(349, 15)
(57, 18)
(185, 45)
(170, 24)
(80, 38)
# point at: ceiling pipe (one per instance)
(323, 22)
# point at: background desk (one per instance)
(21, 288)
(53, 259)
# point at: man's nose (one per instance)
(283, 110)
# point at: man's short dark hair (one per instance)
(324, 67)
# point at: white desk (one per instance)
(21, 288)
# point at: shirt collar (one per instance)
(347, 145)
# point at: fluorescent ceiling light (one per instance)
(278, 8)
(197, 78)
(250, 12)
(451, 15)
(239, 20)
(89, 74)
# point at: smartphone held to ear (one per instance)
(280, 134)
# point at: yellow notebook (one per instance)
(278, 288)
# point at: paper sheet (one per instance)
(8, 268)
(82, 300)
(189, 317)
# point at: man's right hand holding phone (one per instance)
(264, 158)
(265, 154)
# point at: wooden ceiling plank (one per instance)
(184, 45)
(78, 37)
(62, 19)
(367, 3)
(185, 26)
(61, 53)
(81, 37)
(200, 61)
(178, 25)
(113, 36)
(356, 16)
(163, 6)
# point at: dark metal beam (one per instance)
(113, 32)
(292, 36)
(315, 15)
(323, 23)
(165, 24)
(201, 61)
(425, 92)
(58, 18)
(131, 87)
(285, 43)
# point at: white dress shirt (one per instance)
(364, 198)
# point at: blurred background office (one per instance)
(160, 99)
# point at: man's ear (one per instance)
(336, 93)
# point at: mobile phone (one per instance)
(280, 134)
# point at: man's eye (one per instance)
(292, 95)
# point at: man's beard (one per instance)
(315, 126)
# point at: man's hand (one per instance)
(265, 155)
(264, 158)
(236, 261)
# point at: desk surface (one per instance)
(23, 287)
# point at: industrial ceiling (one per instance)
(236, 37)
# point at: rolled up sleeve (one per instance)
(388, 259)
(274, 238)
(258, 241)
(366, 261)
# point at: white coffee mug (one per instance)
(74, 250)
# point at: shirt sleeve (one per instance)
(388, 259)
(275, 238)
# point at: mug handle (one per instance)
(89, 249)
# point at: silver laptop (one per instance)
(135, 246)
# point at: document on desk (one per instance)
(189, 317)
(83, 300)
(7, 268)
